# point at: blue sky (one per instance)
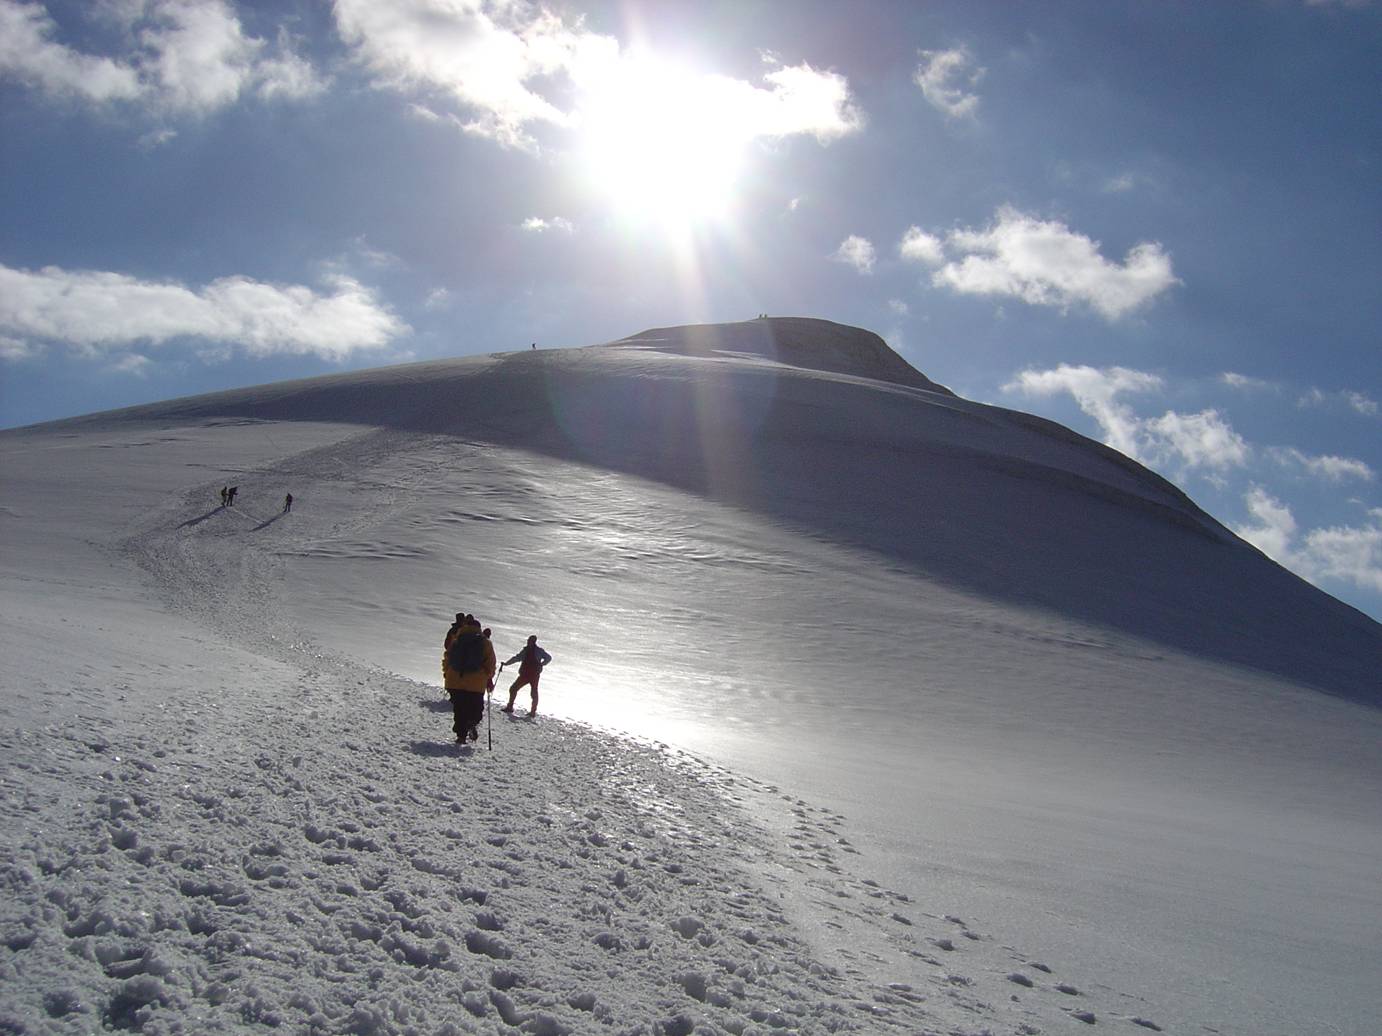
(1155, 222)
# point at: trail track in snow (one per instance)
(291, 842)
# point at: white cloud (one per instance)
(1362, 403)
(945, 78)
(1121, 184)
(538, 225)
(1314, 397)
(188, 56)
(132, 363)
(1246, 383)
(800, 100)
(900, 307)
(15, 349)
(1346, 553)
(198, 58)
(1325, 466)
(920, 247)
(483, 55)
(514, 67)
(421, 111)
(1356, 401)
(857, 252)
(157, 138)
(361, 251)
(287, 75)
(1096, 391)
(95, 311)
(1274, 526)
(437, 298)
(1337, 469)
(29, 54)
(1203, 440)
(1045, 263)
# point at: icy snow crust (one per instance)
(895, 750)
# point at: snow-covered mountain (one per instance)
(964, 691)
(787, 418)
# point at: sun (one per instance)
(663, 144)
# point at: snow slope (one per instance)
(963, 690)
(986, 500)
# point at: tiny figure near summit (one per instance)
(531, 661)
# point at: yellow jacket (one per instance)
(476, 682)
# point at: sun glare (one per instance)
(662, 144)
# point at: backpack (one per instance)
(467, 653)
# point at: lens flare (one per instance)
(663, 143)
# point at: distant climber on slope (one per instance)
(531, 661)
(467, 667)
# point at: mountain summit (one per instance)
(804, 342)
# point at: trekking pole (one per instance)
(489, 712)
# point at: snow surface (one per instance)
(871, 710)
